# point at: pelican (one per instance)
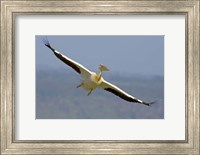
(92, 80)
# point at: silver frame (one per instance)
(9, 10)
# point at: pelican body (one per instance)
(92, 80)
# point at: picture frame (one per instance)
(10, 9)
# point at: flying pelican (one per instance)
(92, 80)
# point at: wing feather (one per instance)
(84, 72)
(120, 93)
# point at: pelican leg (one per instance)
(79, 85)
(90, 92)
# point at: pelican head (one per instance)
(103, 68)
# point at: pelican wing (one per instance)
(84, 72)
(117, 91)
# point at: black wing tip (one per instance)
(46, 43)
(148, 103)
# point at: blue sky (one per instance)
(136, 66)
(143, 55)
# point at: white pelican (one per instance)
(92, 80)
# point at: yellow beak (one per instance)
(103, 68)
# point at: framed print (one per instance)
(100, 77)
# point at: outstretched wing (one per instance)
(84, 72)
(117, 91)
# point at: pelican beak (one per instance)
(103, 68)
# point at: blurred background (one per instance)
(136, 66)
